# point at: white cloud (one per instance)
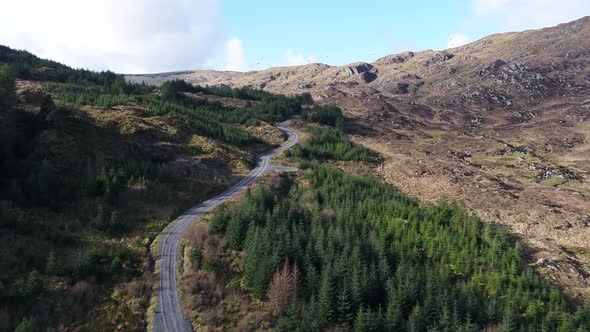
(530, 14)
(124, 36)
(457, 39)
(235, 57)
(296, 59)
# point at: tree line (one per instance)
(25, 65)
(329, 115)
(329, 143)
(208, 118)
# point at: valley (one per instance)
(426, 191)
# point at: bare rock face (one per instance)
(358, 68)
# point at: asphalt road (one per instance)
(168, 315)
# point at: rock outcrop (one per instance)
(358, 68)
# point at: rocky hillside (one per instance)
(502, 124)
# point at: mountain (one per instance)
(502, 124)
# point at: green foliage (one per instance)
(325, 300)
(373, 259)
(118, 87)
(7, 90)
(170, 90)
(195, 257)
(30, 286)
(116, 265)
(25, 65)
(327, 115)
(102, 262)
(114, 219)
(208, 118)
(25, 326)
(326, 143)
(211, 264)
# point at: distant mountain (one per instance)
(502, 123)
(535, 63)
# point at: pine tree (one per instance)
(25, 326)
(7, 90)
(195, 257)
(33, 284)
(508, 323)
(282, 288)
(291, 320)
(361, 323)
(114, 219)
(253, 254)
(233, 233)
(416, 320)
(394, 314)
(325, 297)
(344, 312)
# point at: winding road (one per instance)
(168, 315)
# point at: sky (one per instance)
(147, 36)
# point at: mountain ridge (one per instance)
(501, 123)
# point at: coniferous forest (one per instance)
(371, 259)
(331, 250)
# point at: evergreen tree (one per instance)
(361, 321)
(325, 296)
(33, 284)
(416, 321)
(235, 232)
(25, 326)
(114, 219)
(119, 86)
(508, 323)
(7, 90)
(394, 314)
(344, 309)
(195, 257)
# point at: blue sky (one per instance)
(143, 36)
(347, 32)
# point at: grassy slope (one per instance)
(78, 144)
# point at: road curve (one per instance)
(168, 315)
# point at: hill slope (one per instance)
(502, 123)
(93, 169)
